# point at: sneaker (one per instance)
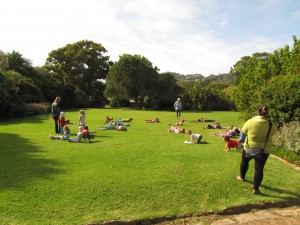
(256, 192)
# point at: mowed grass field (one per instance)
(145, 172)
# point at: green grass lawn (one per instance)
(145, 172)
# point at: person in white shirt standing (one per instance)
(178, 108)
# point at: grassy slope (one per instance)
(142, 173)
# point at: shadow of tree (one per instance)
(21, 162)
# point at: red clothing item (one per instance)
(62, 122)
(232, 144)
(85, 133)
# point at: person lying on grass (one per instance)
(205, 120)
(126, 120)
(232, 144)
(178, 123)
(110, 126)
(107, 120)
(176, 129)
(214, 126)
(114, 126)
(194, 138)
(64, 136)
(152, 121)
(231, 133)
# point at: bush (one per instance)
(37, 108)
(287, 138)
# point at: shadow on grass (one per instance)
(29, 119)
(21, 162)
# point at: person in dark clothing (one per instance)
(55, 111)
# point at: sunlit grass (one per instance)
(145, 172)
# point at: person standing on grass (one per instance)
(82, 116)
(178, 108)
(55, 111)
(259, 131)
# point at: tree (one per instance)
(19, 64)
(27, 91)
(11, 104)
(252, 74)
(168, 90)
(132, 77)
(3, 61)
(82, 65)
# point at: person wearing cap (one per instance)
(259, 131)
(178, 107)
(82, 116)
(62, 121)
(55, 112)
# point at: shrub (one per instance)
(287, 137)
(37, 108)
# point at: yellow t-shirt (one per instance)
(256, 130)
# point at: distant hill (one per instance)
(194, 78)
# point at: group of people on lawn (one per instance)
(255, 137)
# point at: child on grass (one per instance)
(176, 129)
(178, 123)
(152, 121)
(82, 116)
(107, 120)
(231, 144)
(64, 136)
(79, 135)
(194, 138)
(62, 122)
(231, 133)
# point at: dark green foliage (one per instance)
(10, 101)
(82, 65)
(272, 80)
(282, 95)
(132, 77)
(208, 98)
(26, 88)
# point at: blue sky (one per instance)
(183, 36)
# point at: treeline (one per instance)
(84, 76)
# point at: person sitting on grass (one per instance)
(232, 144)
(87, 134)
(178, 123)
(205, 120)
(194, 138)
(231, 133)
(64, 136)
(79, 135)
(152, 121)
(176, 129)
(107, 120)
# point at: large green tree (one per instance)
(271, 79)
(83, 65)
(132, 77)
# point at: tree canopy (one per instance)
(132, 77)
(82, 65)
